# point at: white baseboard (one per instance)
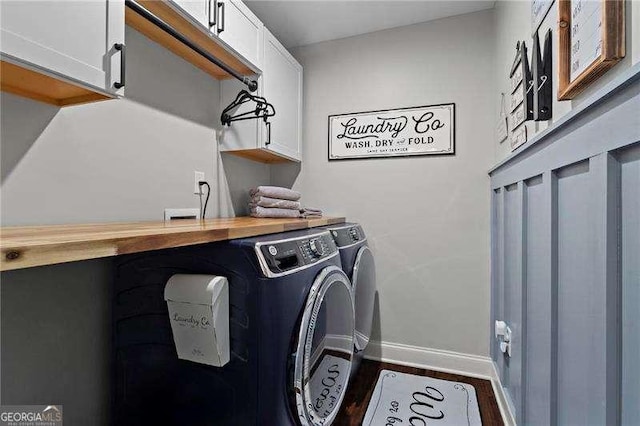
(505, 407)
(446, 361)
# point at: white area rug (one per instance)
(406, 399)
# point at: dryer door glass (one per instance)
(364, 290)
(325, 348)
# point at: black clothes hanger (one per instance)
(263, 109)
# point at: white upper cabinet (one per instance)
(229, 21)
(240, 29)
(282, 87)
(200, 11)
(77, 41)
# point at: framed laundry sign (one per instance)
(424, 130)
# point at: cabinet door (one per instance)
(241, 30)
(282, 86)
(73, 40)
(200, 11)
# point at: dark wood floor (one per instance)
(357, 398)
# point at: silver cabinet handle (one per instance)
(268, 124)
(213, 11)
(222, 23)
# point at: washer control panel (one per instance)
(348, 235)
(288, 255)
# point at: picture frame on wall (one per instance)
(502, 125)
(591, 41)
(521, 100)
(398, 132)
(539, 11)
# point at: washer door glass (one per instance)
(364, 289)
(325, 348)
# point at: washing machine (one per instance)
(359, 265)
(291, 326)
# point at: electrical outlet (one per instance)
(198, 177)
(176, 214)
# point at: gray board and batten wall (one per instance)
(566, 264)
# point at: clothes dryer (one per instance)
(291, 335)
(359, 265)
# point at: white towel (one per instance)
(274, 202)
(309, 213)
(275, 192)
(273, 212)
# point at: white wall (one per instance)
(513, 23)
(427, 218)
(116, 160)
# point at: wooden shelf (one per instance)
(30, 84)
(164, 11)
(261, 156)
(29, 246)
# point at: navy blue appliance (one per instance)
(359, 265)
(291, 329)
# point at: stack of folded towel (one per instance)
(274, 201)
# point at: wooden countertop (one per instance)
(28, 246)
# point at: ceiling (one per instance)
(297, 23)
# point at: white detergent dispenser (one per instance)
(199, 315)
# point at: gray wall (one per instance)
(56, 339)
(566, 216)
(115, 160)
(427, 218)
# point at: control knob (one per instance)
(316, 247)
